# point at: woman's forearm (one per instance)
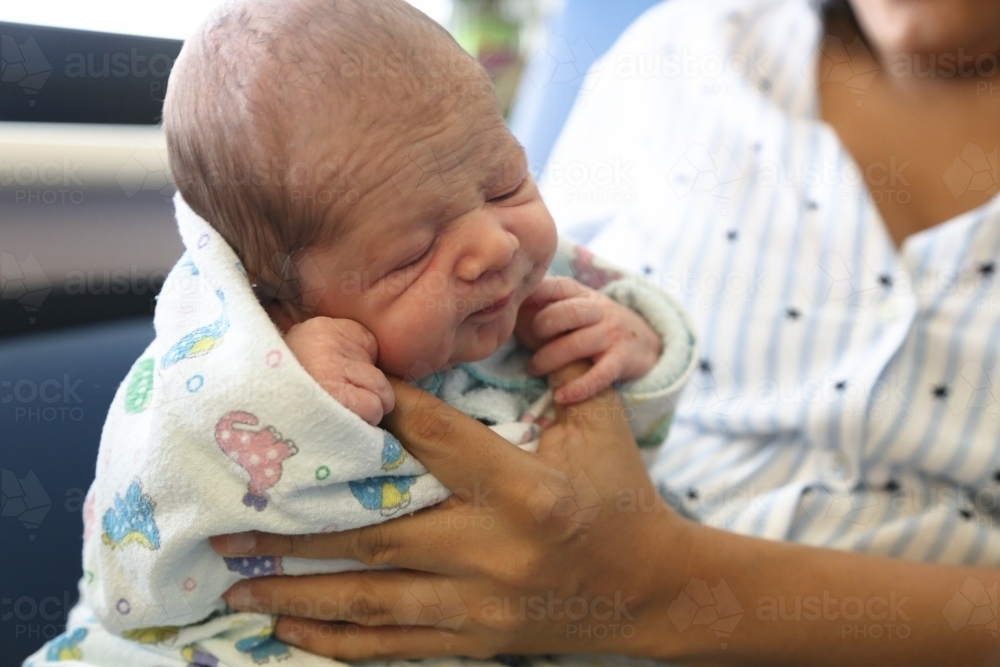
(754, 601)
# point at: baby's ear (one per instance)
(279, 316)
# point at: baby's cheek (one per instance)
(414, 353)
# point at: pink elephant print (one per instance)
(259, 452)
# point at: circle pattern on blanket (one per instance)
(273, 358)
(203, 240)
(322, 473)
(195, 382)
(123, 607)
(190, 584)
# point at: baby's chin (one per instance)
(467, 349)
(483, 340)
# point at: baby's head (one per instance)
(356, 160)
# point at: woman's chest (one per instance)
(925, 161)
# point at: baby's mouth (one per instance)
(494, 307)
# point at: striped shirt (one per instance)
(848, 393)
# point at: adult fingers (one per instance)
(355, 642)
(413, 541)
(459, 450)
(601, 416)
(601, 376)
(370, 598)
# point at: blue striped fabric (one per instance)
(849, 392)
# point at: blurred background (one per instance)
(87, 233)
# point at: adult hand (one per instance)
(554, 552)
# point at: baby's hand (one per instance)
(566, 321)
(340, 355)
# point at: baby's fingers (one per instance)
(555, 288)
(362, 402)
(563, 316)
(580, 344)
(368, 377)
(363, 389)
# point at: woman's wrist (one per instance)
(647, 631)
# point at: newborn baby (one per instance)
(345, 177)
(388, 202)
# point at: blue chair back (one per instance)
(55, 390)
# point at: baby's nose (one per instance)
(488, 251)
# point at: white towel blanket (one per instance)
(218, 429)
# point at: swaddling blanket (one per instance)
(218, 429)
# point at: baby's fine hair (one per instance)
(254, 87)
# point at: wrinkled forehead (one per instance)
(470, 146)
(427, 157)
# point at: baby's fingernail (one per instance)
(241, 543)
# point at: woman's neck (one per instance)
(925, 136)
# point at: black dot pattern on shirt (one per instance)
(705, 366)
(885, 280)
(940, 391)
(793, 313)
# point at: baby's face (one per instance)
(446, 239)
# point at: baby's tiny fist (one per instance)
(340, 355)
